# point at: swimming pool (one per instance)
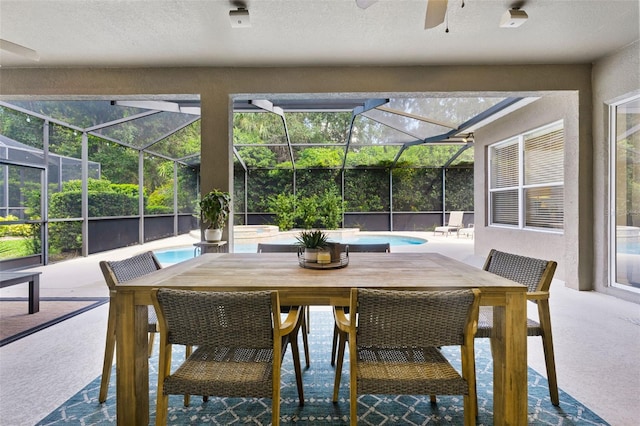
(628, 247)
(180, 254)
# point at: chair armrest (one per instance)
(537, 295)
(289, 323)
(342, 321)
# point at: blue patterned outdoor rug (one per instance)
(84, 409)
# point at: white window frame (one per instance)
(521, 187)
(613, 253)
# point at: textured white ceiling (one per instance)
(154, 33)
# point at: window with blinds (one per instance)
(526, 180)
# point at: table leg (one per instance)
(34, 294)
(132, 364)
(509, 347)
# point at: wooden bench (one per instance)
(33, 278)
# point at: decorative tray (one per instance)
(343, 262)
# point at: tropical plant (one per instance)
(215, 208)
(330, 209)
(307, 211)
(284, 206)
(315, 239)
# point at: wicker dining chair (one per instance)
(277, 248)
(536, 274)
(395, 340)
(339, 339)
(116, 272)
(291, 248)
(240, 338)
(368, 248)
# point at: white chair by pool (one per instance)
(454, 224)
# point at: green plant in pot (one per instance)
(215, 207)
(313, 242)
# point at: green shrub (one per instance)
(307, 212)
(16, 230)
(151, 210)
(284, 206)
(330, 209)
(65, 236)
(130, 189)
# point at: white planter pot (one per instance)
(311, 255)
(213, 234)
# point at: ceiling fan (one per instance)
(19, 50)
(436, 11)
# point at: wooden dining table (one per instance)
(302, 286)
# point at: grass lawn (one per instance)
(14, 247)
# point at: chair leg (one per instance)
(305, 337)
(469, 412)
(353, 391)
(162, 405)
(151, 337)
(275, 397)
(342, 340)
(109, 350)
(295, 353)
(547, 345)
(187, 398)
(164, 369)
(334, 344)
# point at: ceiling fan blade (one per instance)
(363, 4)
(19, 50)
(436, 11)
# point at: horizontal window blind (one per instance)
(545, 207)
(544, 158)
(505, 165)
(505, 207)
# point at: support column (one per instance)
(216, 167)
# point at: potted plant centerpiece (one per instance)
(313, 242)
(214, 211)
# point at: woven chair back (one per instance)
(388, 318)
(218, 319)
(125, 270)
(369, 248)
(536, 274)
(277, 248)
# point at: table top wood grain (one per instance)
(297, 285)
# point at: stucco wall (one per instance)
(544, 245)
(614, 77)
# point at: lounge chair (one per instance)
(467, 232)
(454, 224)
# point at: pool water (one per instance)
(181, 254)
(628, 247)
